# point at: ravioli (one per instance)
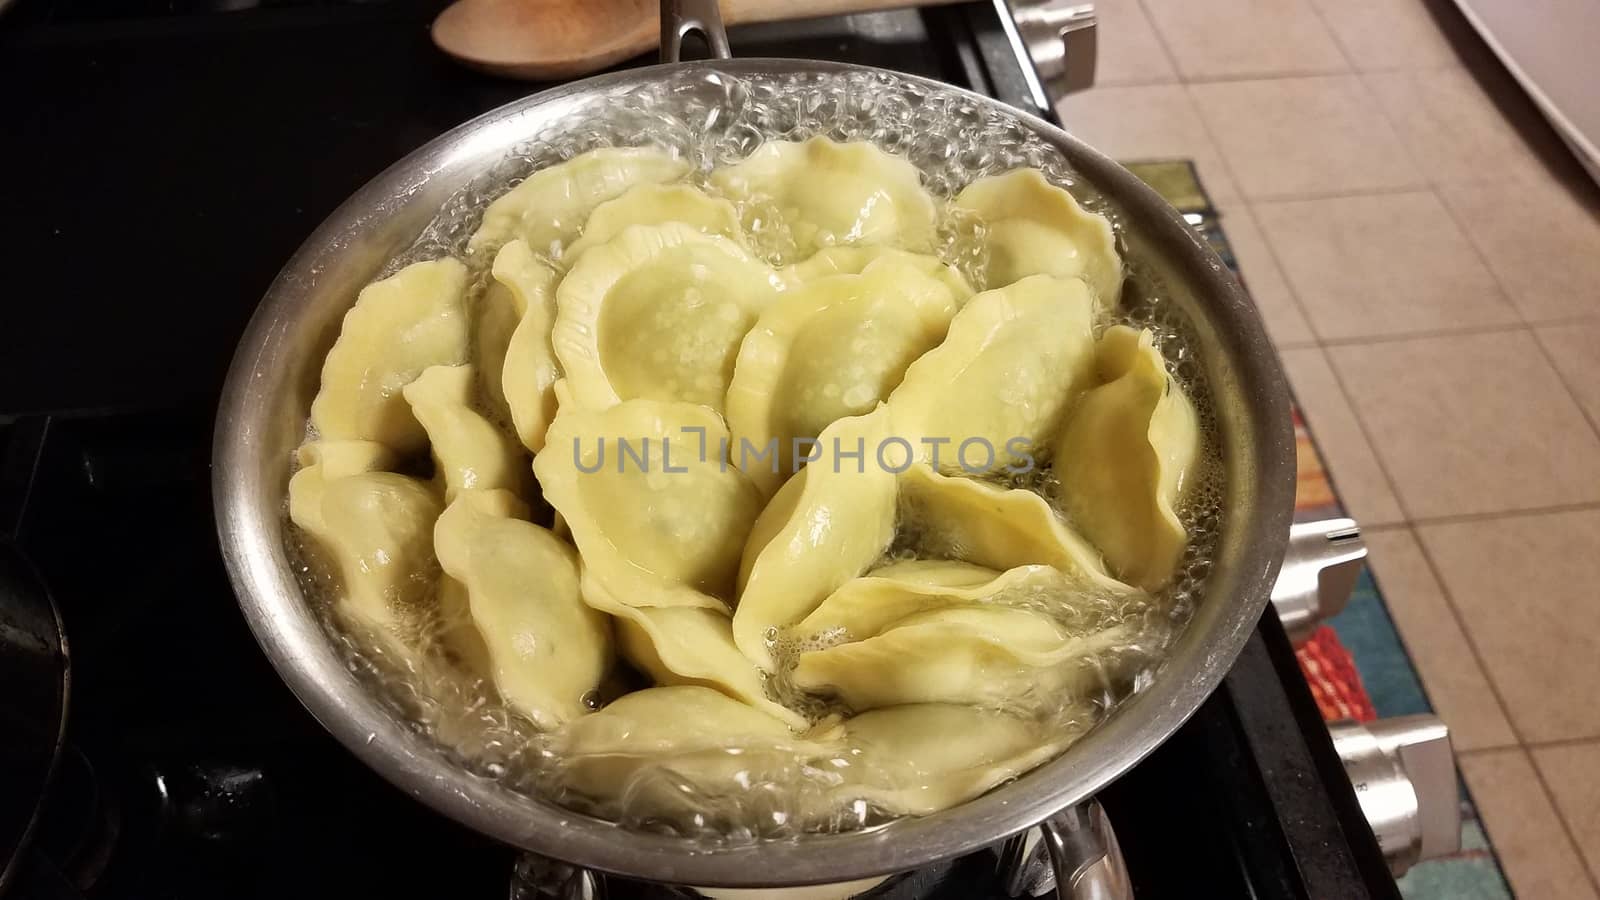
(828, 194)
(657, 313)
(469, 452)
(995, 527)
(686, 645)
(549, 207)
(925, 757)
(547, 650)
(831, 349)
(988, 655)
(656, 204)
(863, 607)
(1122, 458)
(376, 529)
(657, 512)
(827, 525)
(399, 326)
(990, 395)
(849, 260)
(1035, 228)
(528, 372)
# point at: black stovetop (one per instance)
(164, 157)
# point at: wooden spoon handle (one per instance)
(738, 11)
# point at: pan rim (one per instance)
(285, 627)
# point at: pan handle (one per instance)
(1084, 854)
(1073, 855)
(680, 18)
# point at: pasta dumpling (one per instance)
(995, 527)
(645, 488)
(469, 451)
(655, 204)
(658, 313)
(1013, 360)
(924, 757)
(827, 525)
(865, 606)
(989, 655)
(1122, 457)
(686, 645)
(399, 326)
(549, 207)
(376, 529)
(831, 349)
(830, 193)
(528, 371)
(1036, 228)
(647, 744)
(547, 650)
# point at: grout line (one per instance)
(1285, 346)
(1563, 742)
(1458, 331)
(1421, 187)
(1333, 35)
(1572, 837)
(1279, 75)
(1161, 41)
(1466, 634)
(1287, 75)
(1572, 395)
(1572, 392)
(1464, 752)
(1135, 81)
(1389, 480)
(1527, 513)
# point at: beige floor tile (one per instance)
(1351, 464)
(1541, 238)
(1297, 137)
(1244, 38)
(1449, 669)
(1474, 423)
(1387, 34)
(1527, 588)
(1575, 348)
(1573, 773)
(1534, 849)
(1452, 128)
(1286, 325)
(1144, 123)
(1129, 52)
(1382, 264)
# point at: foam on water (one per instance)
(714, 119)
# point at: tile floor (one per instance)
(1426, 255)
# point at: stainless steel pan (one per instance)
(275, 373)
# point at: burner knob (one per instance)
(1404, 774)
(1054, 40)
(1319, 571)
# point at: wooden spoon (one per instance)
(550, 40)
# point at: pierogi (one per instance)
(809, 519)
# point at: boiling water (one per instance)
(714, 119)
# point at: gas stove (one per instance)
(176, 153)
